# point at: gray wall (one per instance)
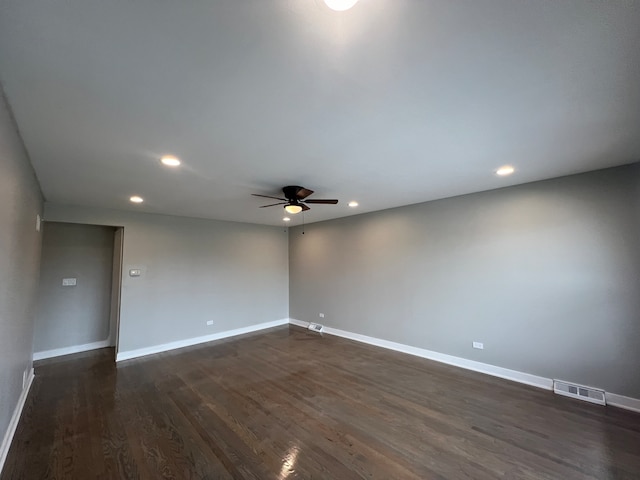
(71, 316)
(546, 274)
(20, 202)
(192, 271)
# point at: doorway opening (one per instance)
(80, 289)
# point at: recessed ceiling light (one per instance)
(505, 170)
(170, 161)
(286, 219)
(353, 204)
(340, 5)
(136, 199)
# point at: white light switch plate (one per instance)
(135, 272)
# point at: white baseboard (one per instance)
(15, 418)
(141, 352)
(58, 352)
(620, 401)
(521, 377)
(299, 323)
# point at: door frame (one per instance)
(116, 288)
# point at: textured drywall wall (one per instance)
(546, 275)
(192, 271)
(20, 202)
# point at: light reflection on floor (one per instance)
(289, 462)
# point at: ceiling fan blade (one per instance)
(268, 196)
(304, 207)
(303, 193)
(320, 200)
(274, 204)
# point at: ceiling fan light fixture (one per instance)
(293, 209)
(340, 5)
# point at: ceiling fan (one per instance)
(295, 199)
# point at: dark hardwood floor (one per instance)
(286, 403)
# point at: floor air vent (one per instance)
(315, 327)
(587, 394)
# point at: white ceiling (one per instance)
(391, 103)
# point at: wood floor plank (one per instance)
(286, 403)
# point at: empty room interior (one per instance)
(320, 239)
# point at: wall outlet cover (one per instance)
(69, 282)
(478, 345)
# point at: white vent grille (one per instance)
(316, 327)
(587, 394)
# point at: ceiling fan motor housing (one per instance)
(291, 192)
